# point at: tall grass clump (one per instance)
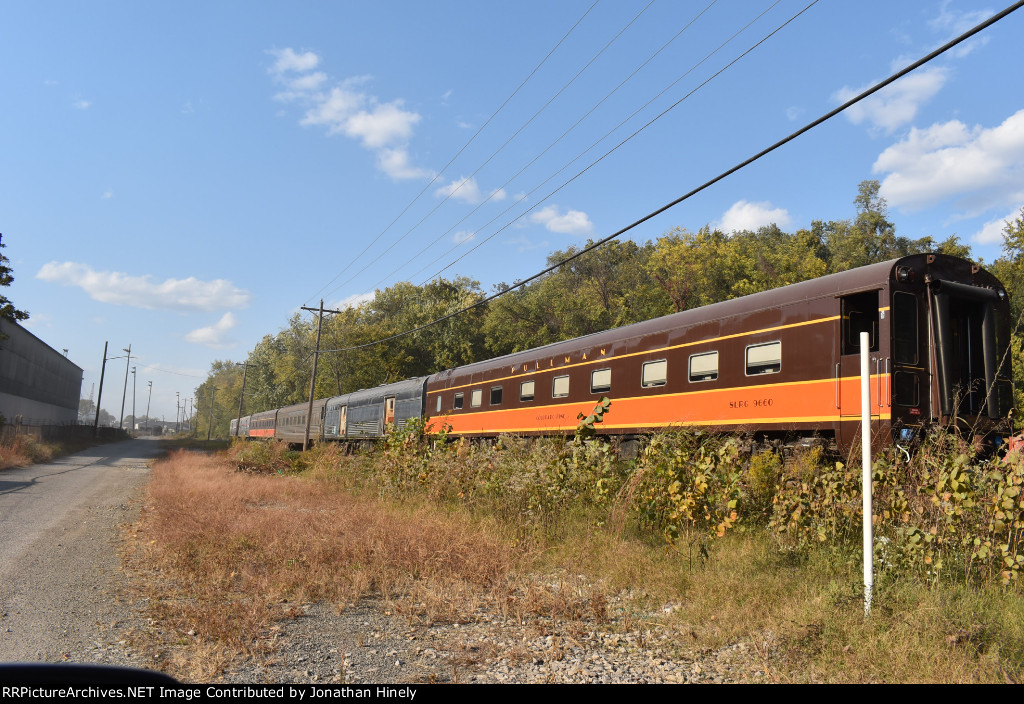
(22, 450)
(943, 513)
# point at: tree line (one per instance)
(618, 284)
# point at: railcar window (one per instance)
(495, 395)
(654, 373)
(526, 391)
(906, 389)
(704, 366)
(860, 314)
(601, 381)
(476, 398)
(458, 401)
(439, 403)
(764, 359)
(904, 328)
(560, 387)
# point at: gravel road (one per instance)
(60, 576)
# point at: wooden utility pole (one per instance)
(240, 397)
(103, 371)
(213, 396)
(316, 358)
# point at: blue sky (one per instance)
(183, 177)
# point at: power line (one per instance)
(459, 152)
(621, 143)
(707, 184)
(508, 141)
(566, 133)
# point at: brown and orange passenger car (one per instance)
(783, 363)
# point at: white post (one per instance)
(865, 434)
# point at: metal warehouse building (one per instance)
(38, 385)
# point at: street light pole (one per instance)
(135, 420)
(124, 394)
(147, 404)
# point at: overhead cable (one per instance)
(806, 128)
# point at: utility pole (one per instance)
(147, 404)
(135, 420)
(241, 396)
(177, 414)
(316, 358)
(103, 371)
(213, 395)
(124, 394)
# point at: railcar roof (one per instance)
(829, 285)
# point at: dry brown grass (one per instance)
(23, 450)
(229, 553)
(234, 552)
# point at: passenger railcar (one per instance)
(366, 413)
(784, 362)
(291, 422)
(263, 425)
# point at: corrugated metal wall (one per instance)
(37, 382)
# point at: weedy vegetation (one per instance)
(24, 450)
(721, 544)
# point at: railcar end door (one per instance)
(858, 313)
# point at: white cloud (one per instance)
(189, 294)
(381, 126)
(353, 301)
(744, 215)
(573, 222)
(214, 335)
(395, 163)
(468, 191)
(524, 244)
(81, 104)
(982, 168)
(792, 113)
(895, 105)
(384, 128)
(107, 194)
(36, 321)
(951, 23)
(331, 109)
(992, 231)
(463, 236)
(290, 61)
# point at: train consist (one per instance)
(780, 364)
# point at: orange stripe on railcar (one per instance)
(800, 402)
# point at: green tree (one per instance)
(7, 310)
(222, 387)
(602, 289)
